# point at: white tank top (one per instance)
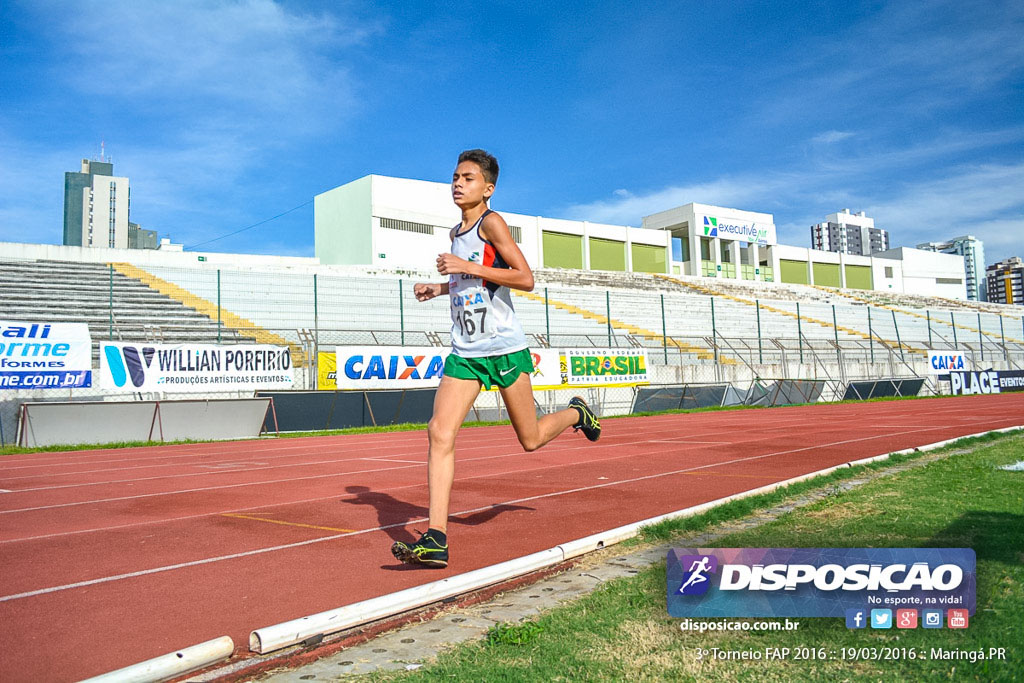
(483, 320)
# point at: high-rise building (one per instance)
(849, 233)
(96, 206)
(1006, 281)
(973, 251)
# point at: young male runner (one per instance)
(488, 346)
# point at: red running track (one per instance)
(111, 557)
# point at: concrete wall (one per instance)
(341, 222)
(141, 257)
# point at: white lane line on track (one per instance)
(258, 453)
(349, 442)
(288, 546)
(213, 468)
(777, 426)
(333, 496)
(415, 462)
(340, 474)
(685, 440)
(317, 499)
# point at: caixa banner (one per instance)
(411, 367)
(816, 582)
(388, 367)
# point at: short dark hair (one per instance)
(487, 163)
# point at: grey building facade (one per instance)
(973, 252)
(849, 233)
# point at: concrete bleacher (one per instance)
(376, 307)
(112, 305)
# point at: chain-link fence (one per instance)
(690, 338)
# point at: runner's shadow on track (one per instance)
(393, 514)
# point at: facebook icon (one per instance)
(856, 618)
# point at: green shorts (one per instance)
(491, 370)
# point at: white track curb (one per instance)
(271, 638)
(171, 665)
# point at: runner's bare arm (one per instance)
(425, 291)
(518, 274)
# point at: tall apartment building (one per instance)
(849, 233)
(1006, 281)
(973, 251)
(96, 206)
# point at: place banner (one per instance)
(986, 382)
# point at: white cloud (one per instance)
(192, 97)
(832, 136)
(986, 201)
(223, 65)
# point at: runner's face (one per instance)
(469, 187)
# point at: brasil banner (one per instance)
(604, 367)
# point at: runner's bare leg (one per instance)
(452, 402)
(534, 433)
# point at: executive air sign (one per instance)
(738, 230)
(816, 582)
(41, 355)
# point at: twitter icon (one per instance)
(881, 618)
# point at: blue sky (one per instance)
(225, 114)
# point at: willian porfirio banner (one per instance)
(194, 368)
(44, 355)
(817, 582)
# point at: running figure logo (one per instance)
(695, 581)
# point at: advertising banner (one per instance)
(986, 382)
(818, 582)
(194, 368)
(326, 369)
(389, 367)
(726, 228)
(41, 355)
(604, 367)
(942, 362)
(547, 372)
(398, 367)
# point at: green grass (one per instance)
(622, 631)
(18, 450)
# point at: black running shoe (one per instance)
(425, 551)
(588, 421)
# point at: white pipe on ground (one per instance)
(166, 667)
